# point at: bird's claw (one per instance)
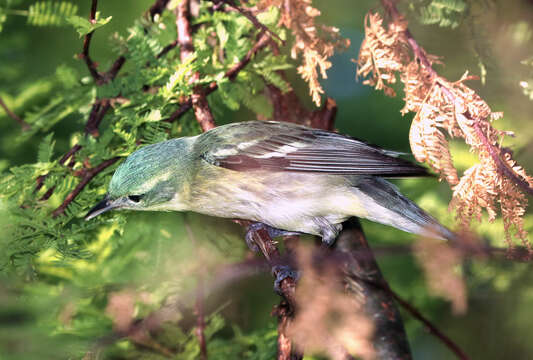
(271, 231)
(282, 272)
(249, 237)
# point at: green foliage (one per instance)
(60, 274)
(445, 13)
(84, 26)
(73, 267)
(46, 13)
(527, 84)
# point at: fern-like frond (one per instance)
(51, 13)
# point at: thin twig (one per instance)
(249, 15)
(115, 68)
(272, 255)
(432, 328)
(263, 41)
(199, 300)
(226, 275)
(98, 111)
(91, 65)
(157, 8)
(167, 48)
(86, 178)
(230, 74)
(25, 126)
(284, 312)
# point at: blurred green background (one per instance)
(493, 38)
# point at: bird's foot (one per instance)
(329, 231)
(271, 231)
(282, 272)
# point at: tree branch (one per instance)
(390, 340)
(495, 151)
(157, 8)
(249, 15)
(199, 103)
(284, 312)
(230, 74)
(450, 344)
(87, 176)
(98, 110)
(91, 65)
(25, 126)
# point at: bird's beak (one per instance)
(101, 207)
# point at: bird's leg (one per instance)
(282, 272)
(328, 231)
(271, 231)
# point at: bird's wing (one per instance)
(277, 146)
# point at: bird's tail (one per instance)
(385, 204)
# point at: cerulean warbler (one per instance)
(291, 178)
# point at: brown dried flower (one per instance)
(313, 42)
(328, 320)
(446, 110)
(439, 262)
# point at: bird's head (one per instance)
(149, 179)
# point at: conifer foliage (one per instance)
(442, 106)
(136, 286)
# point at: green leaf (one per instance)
(48, 13)
(445, 13)
(269, 17)
(84, 26)
(3, 18)
(222, 34)
(46, 149)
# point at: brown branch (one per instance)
(285, 313)
(167, 48)
(199, 103)
(25, 126)
(91, 65)
(199, 300)
(183, 26)
(115, 68)
(40, 179)
(231, 74)
(363, 273)
(88, 175)
(200, 319)
(98, 111)
(272, 255)
(202, 111)
(433, 329)
(495, 151)
(390, 339)
(226, 275)
(157, 8)
(263, 41)
(249, 15)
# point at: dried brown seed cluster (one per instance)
(328, 320)
(314, 43)
(446, 110)
(439, 262)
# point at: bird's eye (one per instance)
(135, 198)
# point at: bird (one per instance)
(284, 177)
